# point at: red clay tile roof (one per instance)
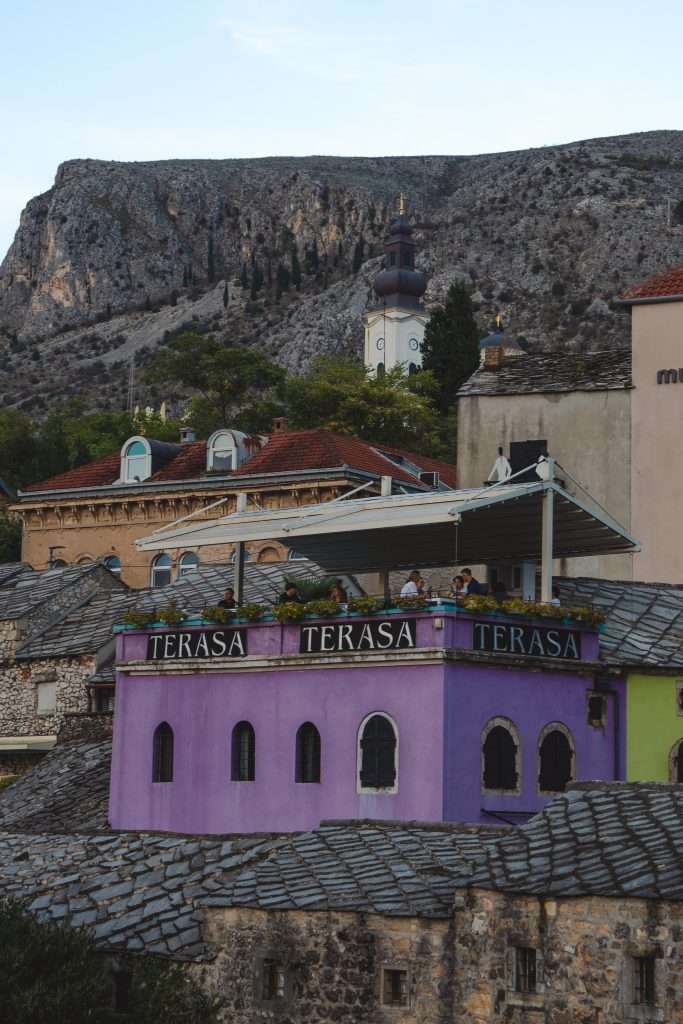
(661, 286)
(286, 452)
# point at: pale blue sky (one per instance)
(146, 79)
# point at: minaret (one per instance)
(395, 324)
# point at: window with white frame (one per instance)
(136, 460)
(221, 454)
(161, 571)
(189, 562)
(46, 698)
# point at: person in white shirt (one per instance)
(502, 470)
(410, 587)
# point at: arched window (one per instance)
(555, 758)
(188, 562)
(676, 762)
(380, 369)
(307, 753)
(221, 452)
(161, 571)
(136, 460)
(248, 555)
(162, 770)
(412, 368)
(243, 755)
(113, 563)
(269, 554)
(500, 756)
(58, 563)
(294, 556)
(377, 753)
(85, 560)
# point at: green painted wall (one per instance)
(652, 726)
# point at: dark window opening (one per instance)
(406, 259)
(103, 702)
(163, 753)
(597, 710)
(121, 984)
(556, 762)
(525, 969)
(517, 577)
(392, 259)
(644, 981)
(394, 988)
(524, 454)
(412, 368)
(273, 981)
(378, 754)
(500, 760)
(243, 768)
(677, 773)
(307, 753)
(380, 369)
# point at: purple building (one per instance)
(434, 715)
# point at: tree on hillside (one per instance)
(223, 377)
(451, 344)
(52, 972)
(341, 395)
(17, 447)
(10, 538)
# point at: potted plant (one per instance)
(214, 613)
(137, 618)
(323, 608)
(252, 612)
(412, 602)
(171, 614)
(291, 611)
(364, 605)
(481, 603)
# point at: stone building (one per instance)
(99, 510)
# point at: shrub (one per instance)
(251, 612)
(480, 603)
(138, 617)
(171, 614)
(323, 607)
(411, 602)
(216, 614)
(292, 611)
(7, 780)
(366, 604)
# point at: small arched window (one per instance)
(676, 762)
(113, 563)
(269, 554)
(307, 753)
(243, 754)
(555, 758)
(162, 770)
(380, 369)
(221, 452)
(248, 555)
(500, 756)
(188, 562)
(377, 753)
(412, 368)
(161, 571)
(136, 460)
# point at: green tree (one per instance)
(358, 250)
(10, 538)
(221, 378)
(451, 345)
(54, 973)
(296, 269)
(282, 279)
(17, 447)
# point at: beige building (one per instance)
(657, 425)
(98, 511)
(577, 407)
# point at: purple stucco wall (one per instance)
(440, 709)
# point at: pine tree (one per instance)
(312, 260)
(358, 254)
(282, 279)
(296, 269)
(226, 296)
(451, 344)
(244, 278)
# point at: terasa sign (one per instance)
(541, 641)
(334, 638)
(210, 643)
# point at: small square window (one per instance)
(46, 695)
(394, 987)
(525, 969)
(597, 709)
(644, 981)
(273, 981)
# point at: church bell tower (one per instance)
(395, 323)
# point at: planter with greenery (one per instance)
(214, 613)
(252, 612)
(481, 603)
(364, 605)
(292, 611)
(411, 603)
(137, 618)
(171, 614)
(323, 608)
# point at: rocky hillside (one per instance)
(281, 253)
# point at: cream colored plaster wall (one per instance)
(657, 435)
(587, 431)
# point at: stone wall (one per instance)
(333, 964)
(19, 693)
(585, 959)
(86, 727)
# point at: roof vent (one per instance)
(280, 425)
(187, 435)
(430, 479)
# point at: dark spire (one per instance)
(399, 284)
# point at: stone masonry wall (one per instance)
(585, 947)
(86, 727)
(19, 696)
(333, 964)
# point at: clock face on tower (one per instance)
(414, 344)
(380, 343)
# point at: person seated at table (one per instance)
(410, 588)
(228, 599)
(458, 588)
(472, 585)
(290, 595)
(338, 593)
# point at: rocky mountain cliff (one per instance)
(281, 253)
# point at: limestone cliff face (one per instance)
(116, 255)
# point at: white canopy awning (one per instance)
(499, 523)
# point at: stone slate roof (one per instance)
(67, 791)
(85, 630)
(644, 624)
(609, 839)
(548, 372)
(384, 868)
(23, 591)
(668, 284)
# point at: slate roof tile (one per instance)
(548, 372)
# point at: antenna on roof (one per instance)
(130, 403)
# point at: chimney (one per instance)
(280, 425)
(187, 435)
(493, 357)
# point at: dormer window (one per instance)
(221, 452)
(136, 461)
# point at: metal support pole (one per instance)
(384, 580)
(238, 577)
(547, 538)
